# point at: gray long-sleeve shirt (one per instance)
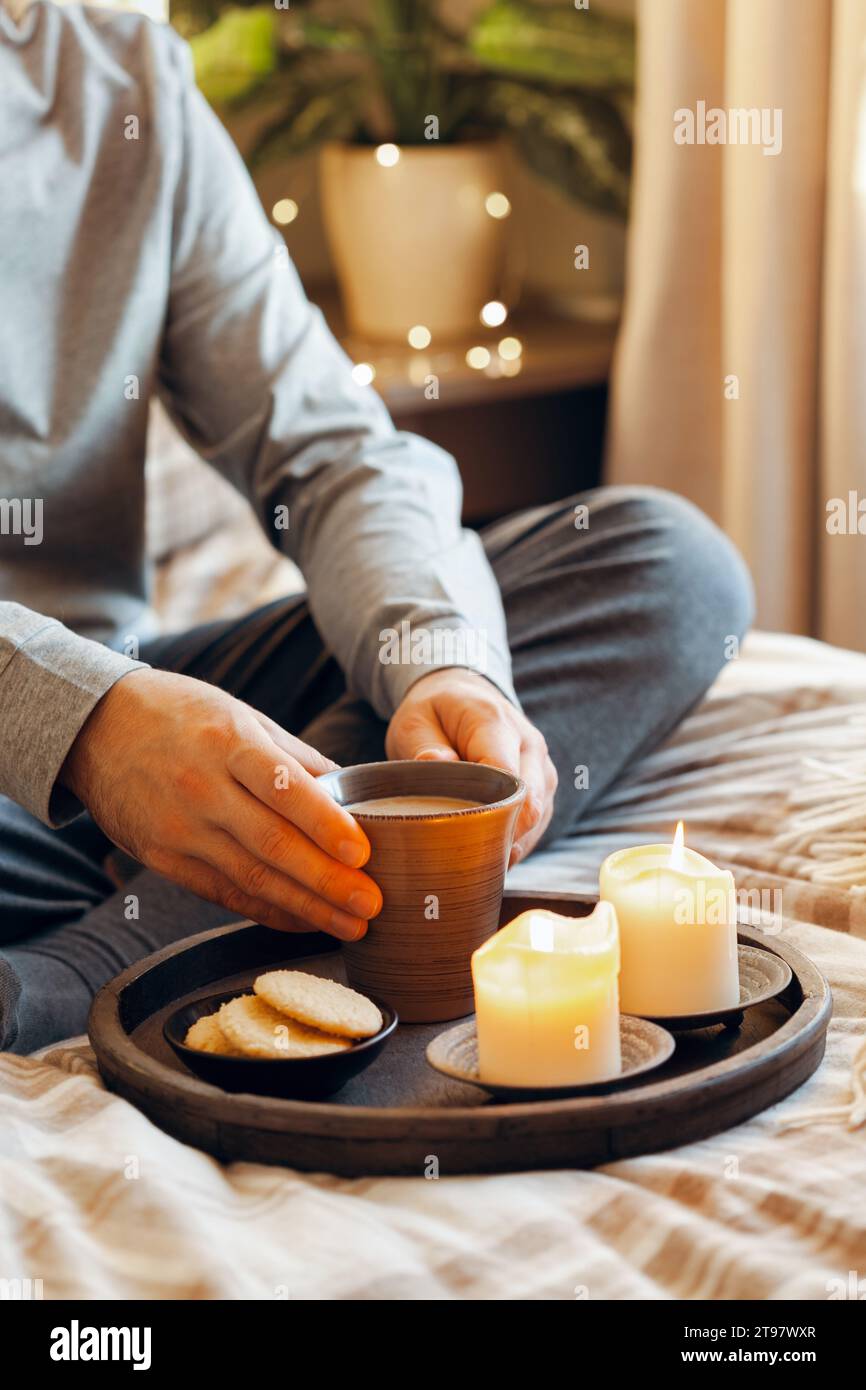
(134, 258)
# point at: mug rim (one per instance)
(515, 795)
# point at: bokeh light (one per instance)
(497, 205)
(510, 349)
(494, 313)
(387, 156)
(284, 211)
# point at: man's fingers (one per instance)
(211, 883)
(262, 883)
(272, 841)
(496, 742)
(539, 774)
(422, 736)
(280, 782)
(310, 758)
(527, 842)
(533, 758)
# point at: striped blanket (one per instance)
(95, 1202)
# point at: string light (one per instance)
(419, 336)
(478, 357)
(497, 205)
(363, 373)
(510, 349)
(494, 313)
(387, 156)
(285, 211)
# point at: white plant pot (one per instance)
(413, 243)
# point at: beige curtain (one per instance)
(740, 376)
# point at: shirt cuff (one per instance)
(408, 652)
(48, 686)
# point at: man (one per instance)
(135, 258)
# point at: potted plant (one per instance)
(410, 114)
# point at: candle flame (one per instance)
(678, 859)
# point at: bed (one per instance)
(96, 1202)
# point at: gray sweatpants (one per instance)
(616, 629)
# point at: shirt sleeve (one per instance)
(50, 680)
(257, 383)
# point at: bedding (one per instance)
(97, 1203)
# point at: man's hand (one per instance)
(457, 714)
(207, 791)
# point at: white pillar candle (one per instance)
(677, 917)
(546, 1000)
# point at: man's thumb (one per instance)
(424, 737)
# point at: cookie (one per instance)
(319, 1003)
(257, 1030)
(205, 1035)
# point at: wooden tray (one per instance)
(400, 1114)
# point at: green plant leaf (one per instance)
(555, 44)
(237, 54)
(577, 142)
(404, 49)
(401, 19)
(334, 38)
(314, 114)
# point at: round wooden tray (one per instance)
(400, 1115)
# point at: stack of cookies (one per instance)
(289, 1015)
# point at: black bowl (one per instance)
(293, 1078)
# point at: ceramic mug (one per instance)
(441, 878)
